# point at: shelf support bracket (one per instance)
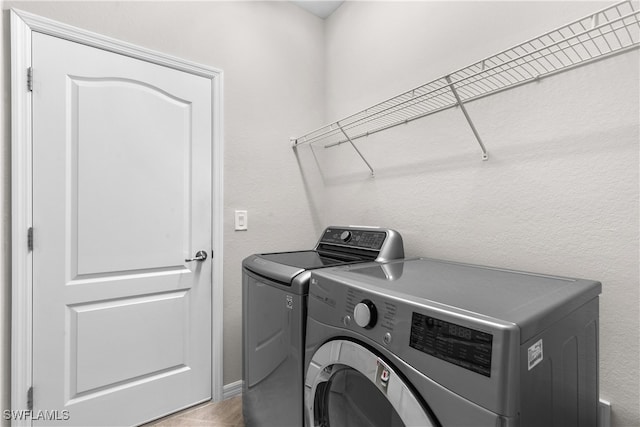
(485, 155)
(355, 148)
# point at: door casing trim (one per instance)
(23, 25)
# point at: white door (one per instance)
(121, 198)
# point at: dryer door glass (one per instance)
(348, 385)
(350, 399)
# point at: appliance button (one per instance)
(365, 314)
(345, 236)
(346, 320)
(387, 338)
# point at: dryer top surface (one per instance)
(506, 295)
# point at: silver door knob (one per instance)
(200, 256)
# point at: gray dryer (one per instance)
(428, 342)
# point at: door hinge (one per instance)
(30, 79)
(30, 239)
(30, 399)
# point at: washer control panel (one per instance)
(357, 238)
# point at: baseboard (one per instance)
(232, 390)
(604, 413)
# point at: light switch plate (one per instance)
(241, 221)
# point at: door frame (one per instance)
(23, 25)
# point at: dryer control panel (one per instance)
(465, 347)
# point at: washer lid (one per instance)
(303, 259)
(284, 267)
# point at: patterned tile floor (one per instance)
(227, 413)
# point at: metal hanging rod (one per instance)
(609, 31)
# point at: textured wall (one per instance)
(271, 55)
(559, 193)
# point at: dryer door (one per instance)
(347, 384)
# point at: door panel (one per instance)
(110, 238)
(121, 197)
(111, 344)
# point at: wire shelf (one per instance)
(606, 32)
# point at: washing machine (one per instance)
(274, 294)
(424, 342)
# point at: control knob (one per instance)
(365, 314)
(345, 236)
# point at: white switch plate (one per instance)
(241, 220)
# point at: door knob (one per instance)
(200, 256)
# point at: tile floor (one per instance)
(227, 413)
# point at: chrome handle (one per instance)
(200, 256)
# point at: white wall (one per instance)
(271, 55)
(559, 193)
